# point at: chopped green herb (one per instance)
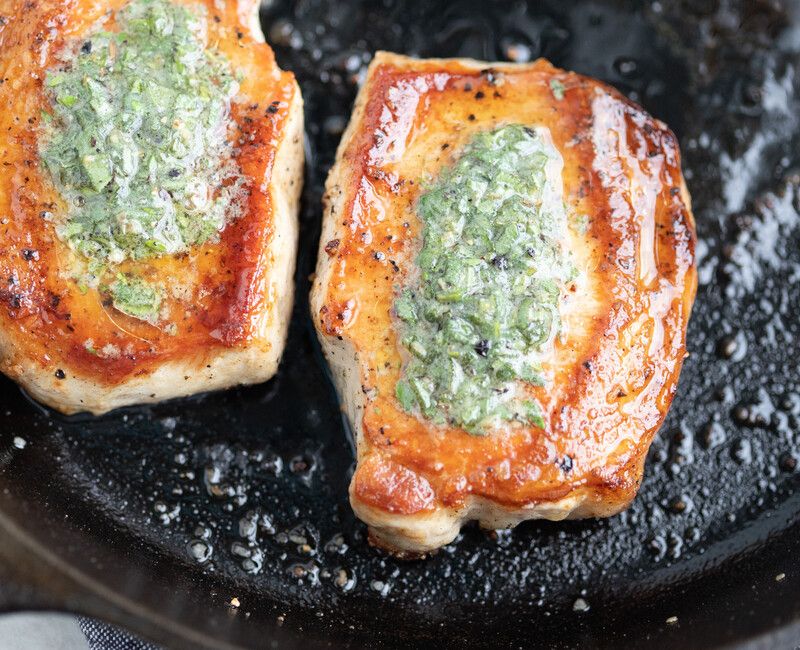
(136, 298)
(138, 142)
(67, 100)
(580, 222)
(484, 308)
(557, 88)
(405, 395)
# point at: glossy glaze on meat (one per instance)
(609, 381)
(235, 296)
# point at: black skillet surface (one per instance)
(157, 518)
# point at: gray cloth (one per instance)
(102, 636)
(48, 631)
(41, 631)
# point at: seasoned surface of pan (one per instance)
(158, 517)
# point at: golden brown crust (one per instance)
(611, 380)
(231, 309)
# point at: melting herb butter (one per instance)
(136, 298)
(484, 307)
(137, 142)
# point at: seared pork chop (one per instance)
(152, 154)
(505, 276)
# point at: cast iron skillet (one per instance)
(158, 518)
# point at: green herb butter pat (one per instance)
(138, 140)
(477, 319)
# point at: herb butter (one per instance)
(136, 298)
(483, 308)
(137, 137)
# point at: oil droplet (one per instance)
(713, 435)
(383, 588)
(741, 414)
(336, 545)
(166, 514)
(682, 448)
(518, 52)
(691, 535)
(305, 572)
(272, 464)
(200, 550)
(681, 504)
(787, 462)
(303, 466)
(732, 347)
(284, 34)
(240, 550)
(202, 532)
(580, 605)
(626, 67)
(742, 451)
(675, 544)
(344, 579)
(265, 524)
(248, 525)
(334, 124)
(254, 563)
(658, 547)
(306, 537)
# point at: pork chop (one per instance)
(505, 276)
(152, 156)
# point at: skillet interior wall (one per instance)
(245, 491)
